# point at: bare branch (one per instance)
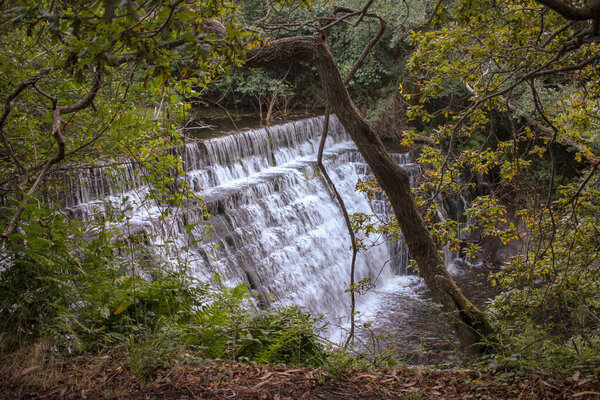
(340, 19)
(7, 108)
(555, 34)
(344, 211)
(576, 195)
(87, 101)
(370, 44)
(363, 12)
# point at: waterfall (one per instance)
(269, 219)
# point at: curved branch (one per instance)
(57, 112)
(370, 44)
(7, 109)
(570, 12)
(350, 12)
(344, 211)
(582, 185)
(321, 166)
(89, 98)
(60, 154)
(166, 22)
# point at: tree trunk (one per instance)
(470, 323)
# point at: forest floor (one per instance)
(106, 378)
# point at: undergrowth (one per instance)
(68, 289)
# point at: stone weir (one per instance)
(268, 218)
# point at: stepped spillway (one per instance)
(268, 218)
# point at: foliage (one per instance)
(271, 94)
(378, 76)
(511, 106)
(79, 286)
(73, 76)
(226, 328)
(553, 299)
(507, 91)
(379, 68)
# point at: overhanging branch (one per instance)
(570, 12)
(7, 109)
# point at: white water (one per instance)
(273, 223)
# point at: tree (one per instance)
(64, 58)
(73, 75)
(496, 65)
(518, 85)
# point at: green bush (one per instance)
(228, 329)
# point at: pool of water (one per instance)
(206, 123)
(400, 317)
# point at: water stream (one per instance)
(270, 222)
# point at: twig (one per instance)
(368, 47)
(344, 210)
(7, 108)
(582, 185)
(434, 13)
(357, 64)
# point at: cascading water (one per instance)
(268, 221)
(273, 222)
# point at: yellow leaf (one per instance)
(122, 307)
